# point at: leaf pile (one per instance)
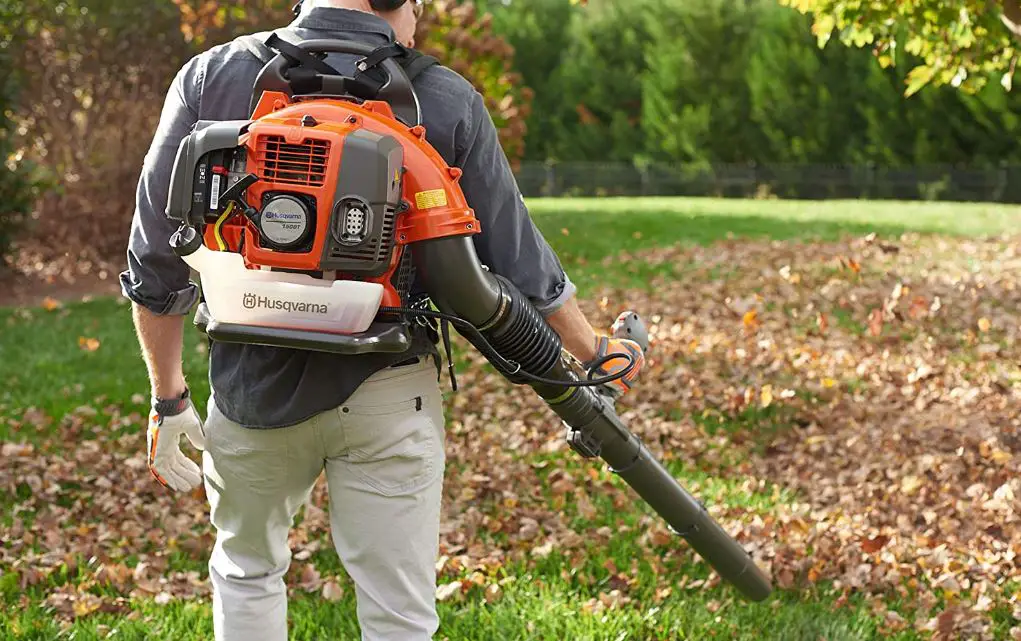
(848, 410)
(897, 366)
(89, 507)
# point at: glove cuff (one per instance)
(602, 345)
(171, 406)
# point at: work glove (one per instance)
(168, 420)
(608, 345)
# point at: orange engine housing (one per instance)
(307, 160)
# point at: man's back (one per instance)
(227, 73)
(373, 424)
(261, 386)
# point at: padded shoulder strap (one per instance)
(256, 45)
(415, 62)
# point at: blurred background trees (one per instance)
(19, 179)
(463, 38)
(84, 82)
(93, 75)
(963, 43)
(713, 81)
(691, 82)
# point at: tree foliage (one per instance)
(695, 99)
(535, 30)
(95, 75)
(462, 37)
(20, 179)
(816, 106)
(204, 22)
(962, 43)
(599, 81)
(675, 81)
(712, 81)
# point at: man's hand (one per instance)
(588, 347)
(161, 338)
(607, 346)
(168, 420)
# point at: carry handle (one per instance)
(282, 73)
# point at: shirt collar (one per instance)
(337, 19)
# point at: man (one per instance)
(277, 418)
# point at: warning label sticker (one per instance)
(430, 199)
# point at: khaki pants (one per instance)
(383, 453)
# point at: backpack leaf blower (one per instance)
(309, 221)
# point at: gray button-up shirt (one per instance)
(266, 387)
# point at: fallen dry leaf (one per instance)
(874, 544)
(88, 344)
(750, 319)
(493, 593)
(332, 591)
(822, 322)
(311, 580)
(876, 322)
(16, 449)
(447, 591)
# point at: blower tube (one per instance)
(458, 285)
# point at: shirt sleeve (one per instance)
(156, 278)
(510, 244)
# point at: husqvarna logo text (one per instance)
(251, 301)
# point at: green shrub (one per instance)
(19, 180)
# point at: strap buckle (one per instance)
(391, 50)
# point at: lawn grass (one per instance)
(583, 231)
(44, 366)
(527, 610)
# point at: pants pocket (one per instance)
(259, 461)
(396, 448)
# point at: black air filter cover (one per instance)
(363, 222)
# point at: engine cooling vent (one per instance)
(404, 276)
(301, 164)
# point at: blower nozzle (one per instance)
(519, 342)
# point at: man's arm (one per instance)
(510, 244)
(157, 281)
(162, 341)
(574, 329)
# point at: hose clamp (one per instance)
(634, 462)
(500, 312)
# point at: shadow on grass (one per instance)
(581, 237)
